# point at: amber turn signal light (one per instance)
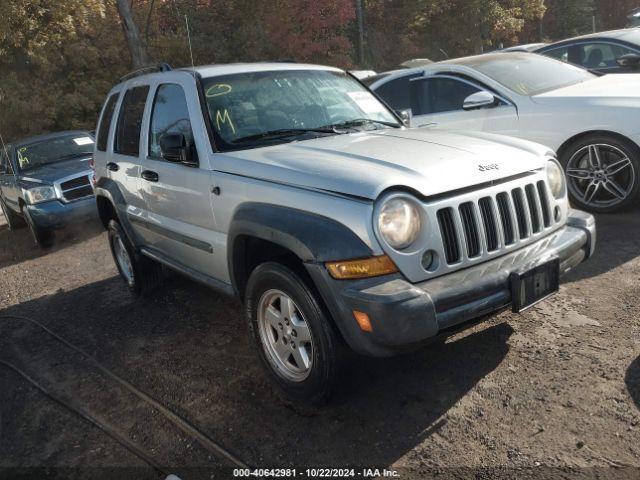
(361, 268)
(363, 321)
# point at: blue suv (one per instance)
(47, 183)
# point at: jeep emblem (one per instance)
(484, 168)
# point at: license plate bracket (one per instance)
(533, 285)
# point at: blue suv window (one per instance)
(130, 121)
(105, 122)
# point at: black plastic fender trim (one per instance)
(312, 238)
(107, 188)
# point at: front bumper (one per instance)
(404, 315)
(55, 215)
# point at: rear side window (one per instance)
(130, 121)
(105, 123)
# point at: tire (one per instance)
(268, 286)
(14, 221)
(141, 274)
(603, 173)
(43, 238)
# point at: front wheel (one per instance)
(603, 173)
(296, 341)
(43, 238)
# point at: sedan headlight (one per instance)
(399, 222)
(555, 178)
(40, 194)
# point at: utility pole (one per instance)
(360, 21)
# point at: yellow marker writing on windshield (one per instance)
(223, 118)
(217, 90)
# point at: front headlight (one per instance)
(40, 194)
(399, 222)
(555, 178)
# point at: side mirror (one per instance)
(630, 60)
(479, 99)
(174, 149)
(406, 116)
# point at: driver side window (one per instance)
(439, 95)
(170, 116)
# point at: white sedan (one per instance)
(592, 122)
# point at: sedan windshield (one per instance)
(262, 108)
(57, 149)
(527, 73)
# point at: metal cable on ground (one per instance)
(179, 422)
(131, 447)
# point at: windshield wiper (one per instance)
(282, 133)
(361, 121)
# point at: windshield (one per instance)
(262, 108)
(57, 149)
(528, 73)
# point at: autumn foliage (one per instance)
(58, 59)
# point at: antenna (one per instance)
(186, 20)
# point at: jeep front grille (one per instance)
(76, 188)
(494, 221)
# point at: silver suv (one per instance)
(297, 190)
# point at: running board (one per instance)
(211, 282)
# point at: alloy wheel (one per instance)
(123, 259)
(285, 335)
(601, 175)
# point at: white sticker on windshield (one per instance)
(367, 102)
(83, 141)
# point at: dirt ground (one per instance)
(551, 393)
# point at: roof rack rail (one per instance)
(161, 67)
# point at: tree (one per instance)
(137, 47)
(568, 18)
(612, 14)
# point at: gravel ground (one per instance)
(552, 392)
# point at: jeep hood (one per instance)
(365, 164)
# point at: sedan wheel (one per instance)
(602, 177)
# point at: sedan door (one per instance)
(438, 101)
(179, 219)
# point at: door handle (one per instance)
(113, 167)
(149, 176)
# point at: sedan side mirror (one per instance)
(174, 149)
(630, 60)
(406, 116)
(479, 99)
